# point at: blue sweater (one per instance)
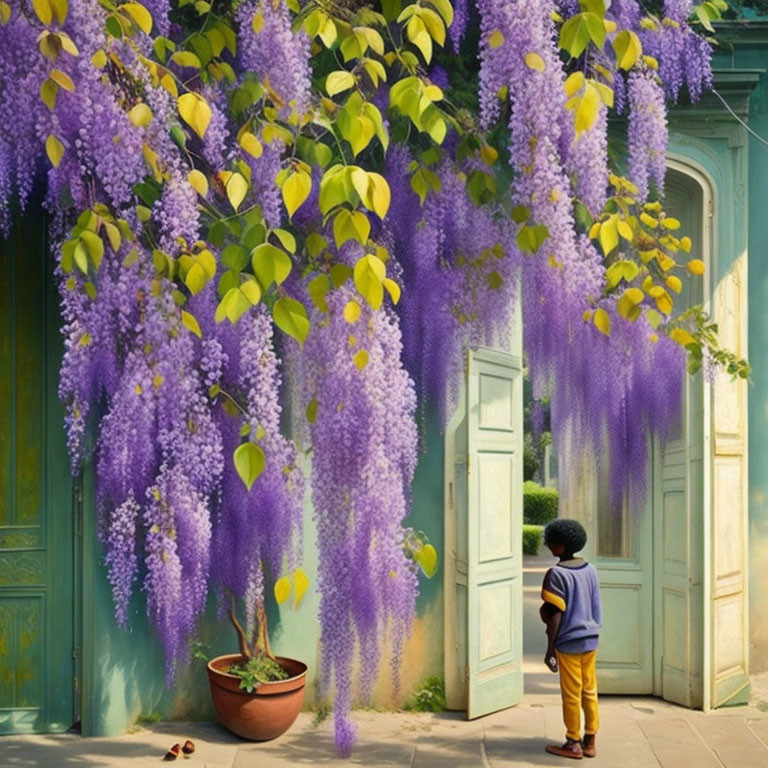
(573, 588)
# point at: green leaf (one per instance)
(48, 92)
(270, 264)
(529, 239)
(94, 245)
(287, 240)
(340, 273)
(233, 306)
(579, 30)
(249, 462)
(291, 317)
(318, 288)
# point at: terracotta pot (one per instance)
(268, 711)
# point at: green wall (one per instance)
(124, 677)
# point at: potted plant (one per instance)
(256, 694)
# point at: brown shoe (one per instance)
(588, 747)
(571, 748)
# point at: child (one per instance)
(571, 611)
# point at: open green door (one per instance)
(494, 525)
(36, 595)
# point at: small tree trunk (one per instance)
(242, 640)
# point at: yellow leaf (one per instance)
(361, 359)
(170, 85)
(649, 221)
(434, 92)
(296, 189)
(574, 83)
(686, 244)
(379, 194)
(418, 35)
(300, 586)
(628, 49)
(339, 81)
(252, 291)
(140, 15)
(587, 109)
(609, 237)
(257, 22)
(634, 295)
(594, 230)
(198, 181)
(393, 289)
(99, 59)
(62, 79)
(5, 13)
(624, 229)
(195, 111)
(682, 337)
(48, 92)
(534, 61)
(282, 589)
(426, 557)
(602, 321)
(237, 189)
(696, 267)
(669, 223)
(675, 283)
(664, 302)
(190, 321)
(352, 312)
(43, 10)
(140, 115)
(68, 45)
(54, 149)
(250, 143)
(496, 38)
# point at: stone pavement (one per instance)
(636, 732)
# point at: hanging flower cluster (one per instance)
(215, 172)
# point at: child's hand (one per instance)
(551, 661)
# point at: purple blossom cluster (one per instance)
(647, 133)
(364, 448)
(275, 52)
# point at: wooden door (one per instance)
(678, 493)
(36, 536)
(494, 591)
(484, 608)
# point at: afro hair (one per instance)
(569, 533)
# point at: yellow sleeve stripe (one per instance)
(556, 600)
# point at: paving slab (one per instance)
(733, 741)
(671, 739)
(636, 732)
(141, 747)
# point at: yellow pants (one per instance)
(578, 686)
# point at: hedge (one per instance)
(533, 536)
(539, 504)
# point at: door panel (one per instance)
(36, 631)
(494, 574)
